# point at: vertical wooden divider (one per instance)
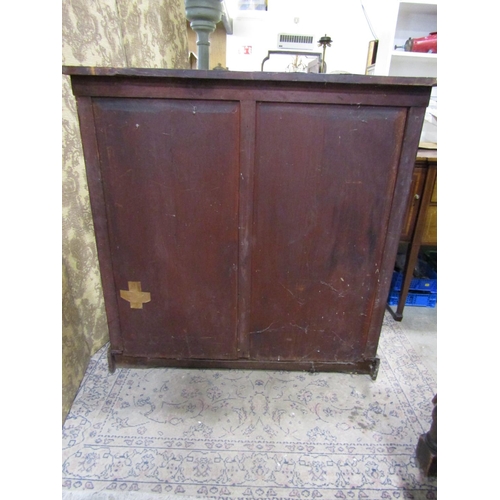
(247, 155)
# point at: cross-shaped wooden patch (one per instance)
(135, 295)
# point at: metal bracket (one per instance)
(291, 53)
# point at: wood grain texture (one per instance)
(262, 213)
(325, 177)
(99, 215)
(171, 181)
(392, 83)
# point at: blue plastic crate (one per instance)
(428, 283)
(417, 299)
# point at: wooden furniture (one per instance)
(420, 226)
(426, 451)
(247, 220)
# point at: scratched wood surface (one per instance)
(171, 202)
(261, 214)
(323, 192)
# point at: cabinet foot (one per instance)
(111, 361)
(374, 366)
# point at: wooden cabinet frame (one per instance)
(247, 220)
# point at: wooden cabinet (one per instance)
(247, 219)
(420, 226)
(425, 163)
(430, 229)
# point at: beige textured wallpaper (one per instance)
(112, 33)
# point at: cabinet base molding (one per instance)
(368, 367)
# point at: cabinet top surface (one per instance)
(427, 154)
(348, 79)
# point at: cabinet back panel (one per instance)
(247, 219)
(170, 178)
(324, 182)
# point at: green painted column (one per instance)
(203, 16)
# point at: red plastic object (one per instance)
(423, 44)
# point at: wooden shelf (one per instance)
(407, 19)
(418, 7)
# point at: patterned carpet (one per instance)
(151, 434)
